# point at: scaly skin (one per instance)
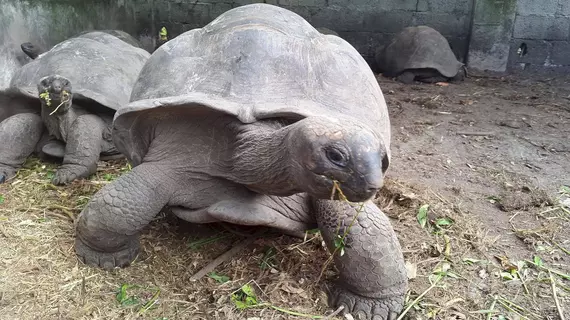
(19, 135)
(108, 227)
(373, 279)
(82, 150)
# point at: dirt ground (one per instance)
(475, 192)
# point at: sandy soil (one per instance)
(488, 158)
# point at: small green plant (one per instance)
(124, 299)
(244, 298)
(268, 259)
(132, 300)
(219, 278)
(422, 215)
(195, 245)
(2, 199)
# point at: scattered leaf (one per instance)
(422, 215)
(219, 278)
(471, 261)
(2, 199)
(444, 222)
(506, 264)
(124, 299)
(268, 260)
(244, 298)
(411, 270)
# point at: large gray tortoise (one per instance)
(20, 123)
(250, 120)
(419, 53)
(80, 83)
(33, 50)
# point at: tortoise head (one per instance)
(55, 93)
(324, 151)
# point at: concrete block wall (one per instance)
(363, 23)
(544, 28)
(488, 32)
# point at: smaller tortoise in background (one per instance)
(250, 121)
(102, 69)
(421, 54)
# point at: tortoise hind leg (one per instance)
(19, 135)
(373, 281)
(406, 77)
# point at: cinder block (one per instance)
(359, 40)
(489, 48)
(444, 6)
(445, 23)
(564, 8)
(190, 13)
(387, 22)
(494, 11)
(302, 11)
(288, 2)
(560, 54)
(338, 19)
(218, 8)
(313, 3)
(376, 5)
(542, 28)
(537, 7)
(537, 52)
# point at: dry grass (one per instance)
(41, 278)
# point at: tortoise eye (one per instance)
(337, 157)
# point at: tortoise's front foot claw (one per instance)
(68, 172)
(107, 260)
(365, 308)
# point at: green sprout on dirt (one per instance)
(195, 245)
(245, 298)
(132, 301)
(268, 260)
(2, 199)
(438, 224)
(218, 278)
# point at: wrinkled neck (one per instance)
(261, 159)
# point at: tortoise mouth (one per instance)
(322, 188)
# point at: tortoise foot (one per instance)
(406, 77)
(107, 260)
(68, 172)
(365, 308)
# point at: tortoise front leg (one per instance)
(373, 279)
(108, 227)
(82, 150)
(19, 135)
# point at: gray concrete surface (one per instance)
(487, 32)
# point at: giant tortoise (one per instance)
(34, 50)
(20, 123)
(102, 69)
(252, 120)
(419, 53)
